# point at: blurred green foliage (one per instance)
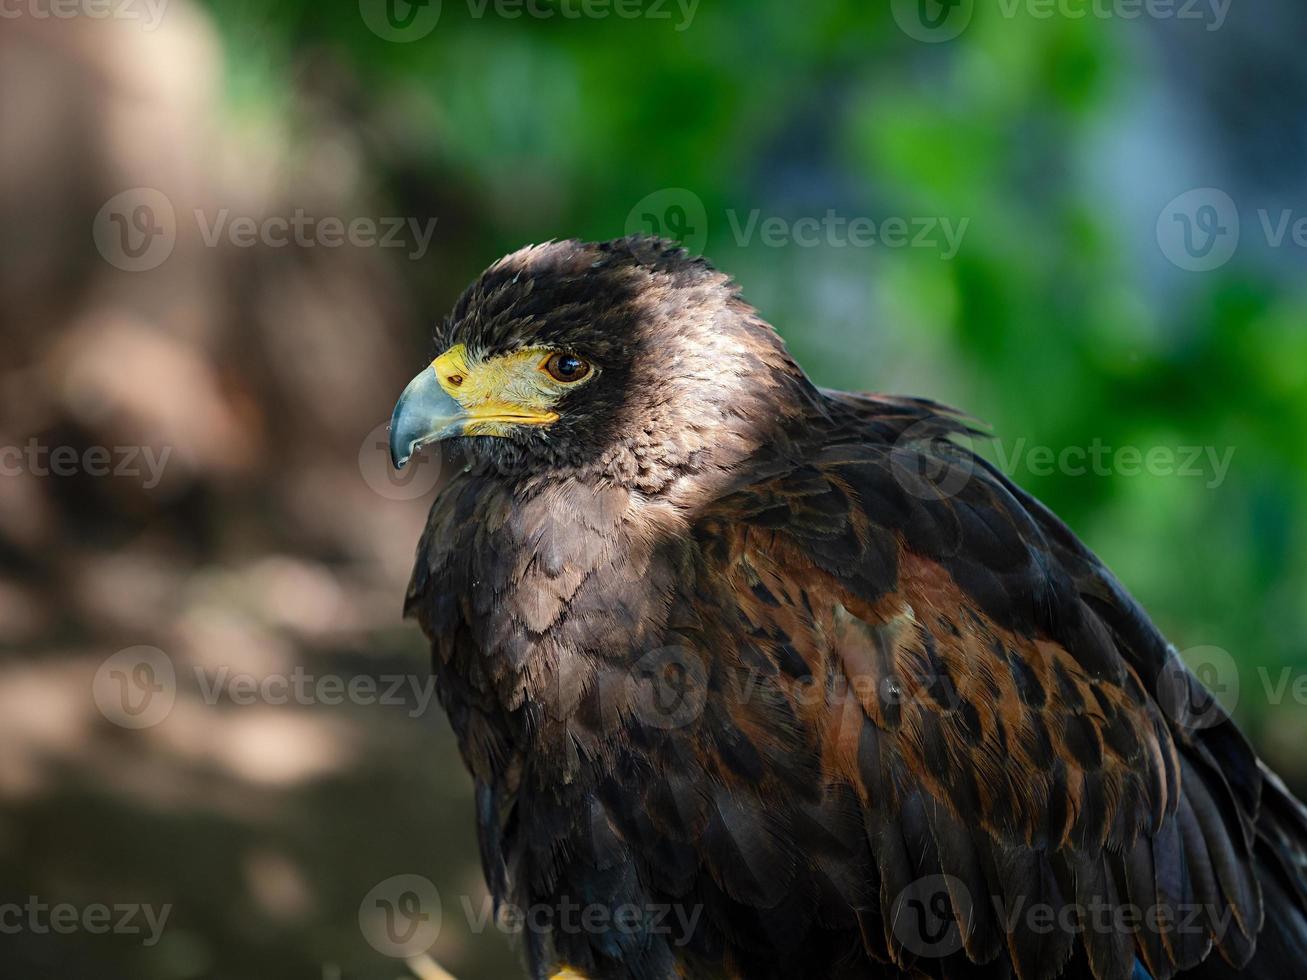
(1059, 321)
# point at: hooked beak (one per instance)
(459, 396)
(425, 413)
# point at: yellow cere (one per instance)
(500, 392)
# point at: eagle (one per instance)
(756, 679)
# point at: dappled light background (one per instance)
(226, 229)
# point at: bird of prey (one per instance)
(760, 680)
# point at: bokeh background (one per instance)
(1125, 270)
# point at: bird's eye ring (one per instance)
(565, 368)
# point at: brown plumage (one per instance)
(789, 671)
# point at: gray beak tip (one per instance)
(396, 460)
(403, 444)
(425, 413)
(401, 449)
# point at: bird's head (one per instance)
(626, 360)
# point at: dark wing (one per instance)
(877, 706)
(922, 689)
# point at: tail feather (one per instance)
(1281, 864)
(1281, 946)
(1282, 825)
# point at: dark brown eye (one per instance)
(566, 368)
